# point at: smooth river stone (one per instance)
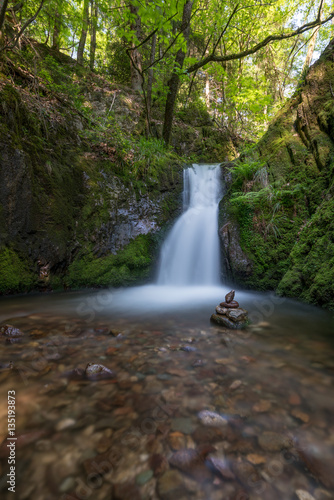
(95, 371)
(190, 462)
(236, 315)
(220, 465)
(10, 331)
(317, 459)
(221, 310)
(231, 305)
(182, 424)
(144, 477)
(230, 296)
(211, 418)
(224, 321)
(304, 495)
(171, 486)
(272, 441)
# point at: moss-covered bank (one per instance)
(85, 196)
(280, 200)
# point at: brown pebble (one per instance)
(158, 463)
(190, 462)
(176, 440)
(262, 406)
(126, 491)
(294, 399)
(300, 415)
(235, 385)
(255, 459)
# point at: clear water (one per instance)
(81, 439)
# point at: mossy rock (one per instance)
(130, 265)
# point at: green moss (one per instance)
(286, 228)
(15, 275)
(130, 265)
(311, 273)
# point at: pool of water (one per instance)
(141, 433)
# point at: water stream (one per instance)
(271, 385)
(190, 254)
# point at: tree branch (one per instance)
(224, 30)
(24, 27)
(170, 45)
(269, 39)
(151, 34)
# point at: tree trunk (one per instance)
(94, 14)
(136, 59)
(150, 78)
(207, 91)
(310, 50)
(3, 8)
(82, 41)
(56, 30)
(173, 83)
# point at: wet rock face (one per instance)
(129, 216)
(15, 191)
(235, 261)
(66, 198)
(25, 220)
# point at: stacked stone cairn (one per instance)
(229, 314)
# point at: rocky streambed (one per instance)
(168, 406)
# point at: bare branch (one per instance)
(24, 27)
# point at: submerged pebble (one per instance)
(97, 371)
(170, 427)
(211, 418)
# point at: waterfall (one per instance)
(190, 254)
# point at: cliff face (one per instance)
(71, 211)
(85, 197)
(280, 204)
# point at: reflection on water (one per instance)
(193, 412)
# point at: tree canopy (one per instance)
(238, 60)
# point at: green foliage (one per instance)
(195, 112)
(62, 80)
(151, 159)
(244, 171)
(118, 67)
(243, 94)
(311, 274)
(128, 266)
(15, 275)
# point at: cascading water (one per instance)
(190, 254)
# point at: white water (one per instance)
(190, 254)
